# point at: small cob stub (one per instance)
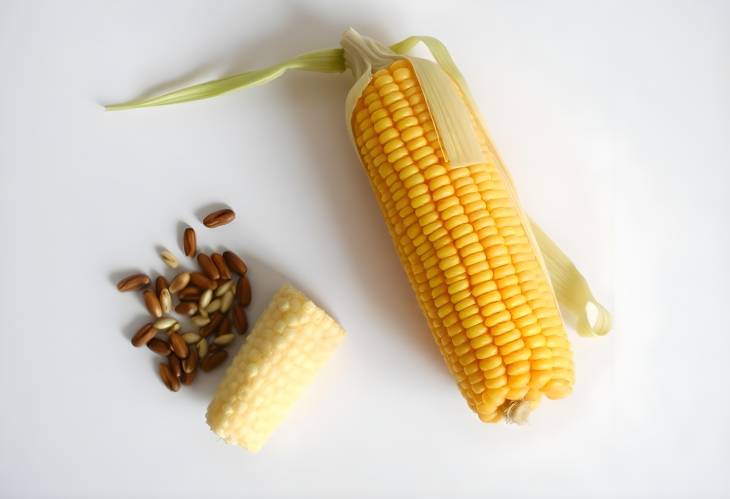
(466, 247)
(289, 344)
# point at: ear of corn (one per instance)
(289, 344)
(482, 271)
(466, 247)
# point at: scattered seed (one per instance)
(152, 303)
(191, 338)
(164, 323)
(224, 340)
(213, 360)
(175, 365)
(179, 282)
(133, 282)
(213, 306)
(240, 321)
(175, 327)
(160, 284)
(235, 263)
(205, 299)
(188, 378)
(202, 281)
(169, 259)
(143, 335)
(223, 288)
(227, 301)
(166, 301)
(191, 362)
(189, 244)
(200, 321)
(215, 321)
(191, 293)
(160, 347)
(178, 345)
(208, 267)
(243, 291)
(170, 380)
(186, 308)
(220, 263)
(225, 327)
(218, 218)
(202, 348)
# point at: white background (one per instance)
(614, 119)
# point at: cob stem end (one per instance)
(517, 412)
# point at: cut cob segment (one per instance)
(289, 344)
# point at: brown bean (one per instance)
(160, 284)
(186, 308)
(191, 362)
(215, 321)
(179, 282)
(133, 282)
(144, 335)
(213, 360)
(160, 347)
(235, 263)
(225, 326)
(221, 265)
(208, 267)
(152, 303)
(189, 243)
(202, 281)
(243, 291)
(178, 345)
(191, 293)
(240, 321)
(188, 378)
(170, 380)
(173, 362)
(218, 218)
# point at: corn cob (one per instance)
(289, 344)
(466, 249)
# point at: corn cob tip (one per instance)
(517, 412)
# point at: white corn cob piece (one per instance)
(289, 344)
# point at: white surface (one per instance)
(614, 121)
